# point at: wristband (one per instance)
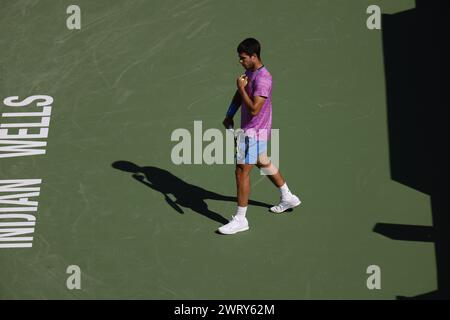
(232, 109)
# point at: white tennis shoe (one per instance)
(288, 202)
(234, 226)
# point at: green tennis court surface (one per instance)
(138, 70)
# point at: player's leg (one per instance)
(246, 157)
(288, 200)
(270, 170)
(242, 175)
(239, 221)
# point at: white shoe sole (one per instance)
(234, 232)
(296, 204)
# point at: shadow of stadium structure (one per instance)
(415, 46)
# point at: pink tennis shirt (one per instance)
(259, 84)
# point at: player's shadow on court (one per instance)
(186, 195)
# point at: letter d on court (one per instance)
(374, 281)
(74, 281)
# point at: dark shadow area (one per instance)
(186, 195)
(405, 232)
(415, 44)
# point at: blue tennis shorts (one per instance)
(248, 150)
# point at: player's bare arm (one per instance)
(255, 105)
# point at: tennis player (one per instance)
(254, 93)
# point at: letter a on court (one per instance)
(374, 20)
(374, 281)
(74, 281)
(73, 21)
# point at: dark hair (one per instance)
(249, 46)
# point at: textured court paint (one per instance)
(136, 71)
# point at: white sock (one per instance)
(241, 211)
(284, 190)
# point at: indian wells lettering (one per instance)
(20, 138)
(21, 143)
(18, 212)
